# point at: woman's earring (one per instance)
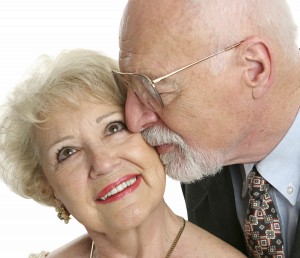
(63, 214)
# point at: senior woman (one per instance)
(64, 144)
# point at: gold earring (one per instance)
(63, 214)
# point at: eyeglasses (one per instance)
(145, 88)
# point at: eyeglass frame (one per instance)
(153, 82)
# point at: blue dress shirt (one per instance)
(281, 168)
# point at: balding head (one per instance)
(153, 27)
(212, 23)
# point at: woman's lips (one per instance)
(118, 189)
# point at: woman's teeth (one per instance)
(119, 188)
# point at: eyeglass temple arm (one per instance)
(199, 61)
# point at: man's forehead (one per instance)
(149, 39)
(143, 62)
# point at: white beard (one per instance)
(184, 163)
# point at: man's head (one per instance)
(222, 104)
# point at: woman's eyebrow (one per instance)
(60, 140)
(100, 118)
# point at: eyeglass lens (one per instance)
(143, 88)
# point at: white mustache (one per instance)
(160, 135)
(185, 164)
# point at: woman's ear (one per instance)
(259, 70)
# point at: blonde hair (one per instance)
(73, 76)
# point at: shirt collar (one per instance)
(281, 168)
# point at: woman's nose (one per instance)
(103, 162)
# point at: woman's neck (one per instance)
(153, 237)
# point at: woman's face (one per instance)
(107, 177)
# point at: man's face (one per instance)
(198, 107)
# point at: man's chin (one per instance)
(188, 169)
(188, 177)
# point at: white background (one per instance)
(29, 28)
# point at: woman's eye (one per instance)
(65, 153)
(115, 127)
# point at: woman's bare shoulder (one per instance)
(42, 254)
(79, 247)
(197, 242)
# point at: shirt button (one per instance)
(290, 189)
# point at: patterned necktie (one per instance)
(262, 227)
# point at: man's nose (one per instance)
(138, 116)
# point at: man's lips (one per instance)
(164, 148)
(118, 189)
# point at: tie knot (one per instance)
(257, 184)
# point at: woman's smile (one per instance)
(119, 189)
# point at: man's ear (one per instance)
(259, 70)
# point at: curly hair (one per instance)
(72, 76)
